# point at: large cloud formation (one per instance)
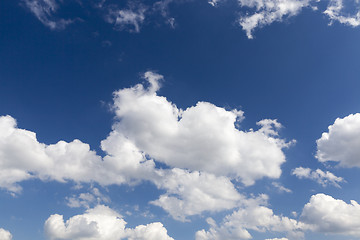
(201, 146)
(342, 142)
(200, 138)
(101, 223)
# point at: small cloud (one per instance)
(319, 176)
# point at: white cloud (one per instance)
(321, 177)
(44, 11)
(200, 138)
(329, 215)
(269, 11)
(23, 158)
(100, 223)
(94, 197)
(5, 235)
(280, 187)
(124, 18)
(252, 217)
(191, 193)
(342, 142)
(335, 12)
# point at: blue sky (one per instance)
(179, 119)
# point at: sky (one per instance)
(179, 119)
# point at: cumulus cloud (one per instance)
(252, 217)
(191, 193)
(319, 176)
(335, 11)
(342, 142)
(328, 215)
(5, 235)
(23, 158)
(44, 11)
(126, 18)
(100, 223)
(201, 146)
(203, 137)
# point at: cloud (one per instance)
(191, 193)
(23, 158)
(94, 197)
(280, 187)
(201, 146)
(123, 18)
(335, 12)
(203, 137)
(5, 235)
(328, 215)
(269, 11)
(44, 11)
(341, 143)
(319, 176)
(252, 217)
(100, 223)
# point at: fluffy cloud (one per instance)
(100, 223)
(203, 137)
(329, 215)
(191, 193)
(149, 129)
(252, 217)
(341, 143)
(5, 235)
(335, 12)
(23, 157)
(44, 11)
(321, 177)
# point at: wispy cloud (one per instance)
(44, 11)
(319, 176)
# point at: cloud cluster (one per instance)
(5, 235)
(100, 223)
(201, 146)
(319, 176)
(341, 143)
(328, 215)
